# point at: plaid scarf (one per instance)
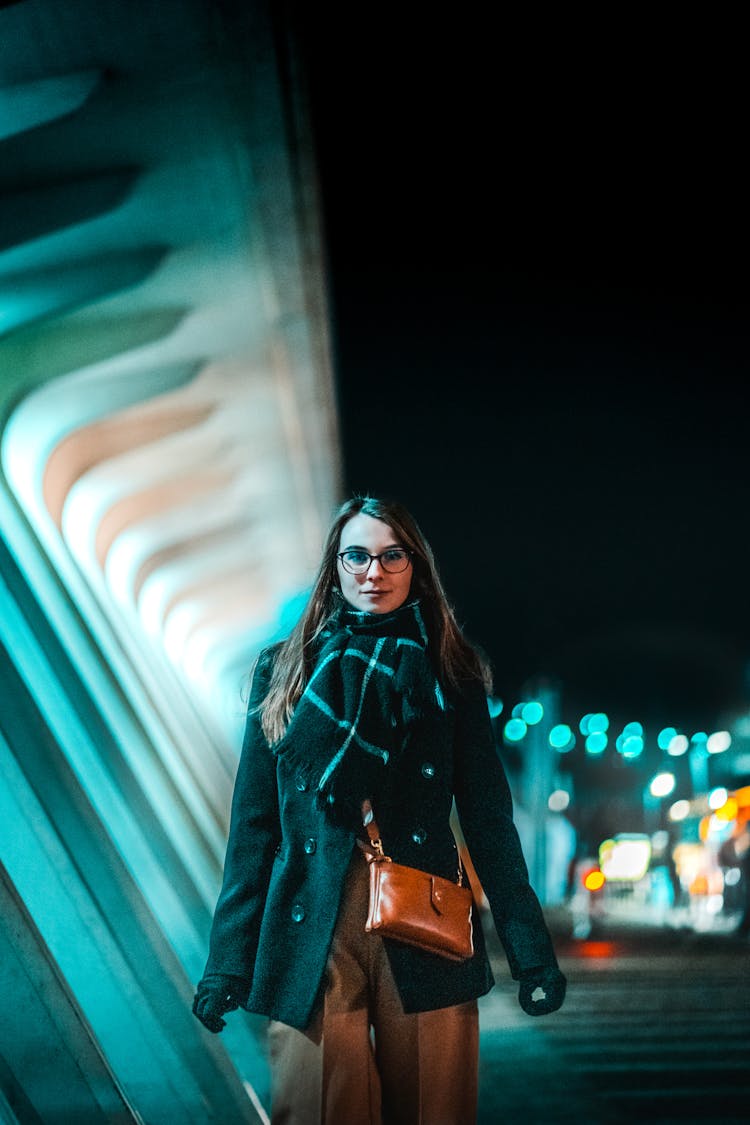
(372, 680)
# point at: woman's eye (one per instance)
(396, 555)
(356, 558)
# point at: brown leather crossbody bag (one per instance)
(418, 908)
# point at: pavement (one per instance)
(655, 1028)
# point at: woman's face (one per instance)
(377, 590)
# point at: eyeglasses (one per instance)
(356, 561)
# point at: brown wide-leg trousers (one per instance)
(363, 1061)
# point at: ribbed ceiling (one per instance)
(167, 400)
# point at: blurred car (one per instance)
(695, 874)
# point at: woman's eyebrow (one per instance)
(358, 547)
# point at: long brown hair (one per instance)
(456, 659)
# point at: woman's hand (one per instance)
(542, 990)
(217, 994)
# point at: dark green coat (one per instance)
(286, 862)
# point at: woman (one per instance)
(375, 701)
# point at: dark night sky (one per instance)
(538, 255)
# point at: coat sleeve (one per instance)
(485, 810)
(254, 834)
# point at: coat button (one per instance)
(310, 845)
(298, 912)
(419, 835)
(428, 770)
(300, 783)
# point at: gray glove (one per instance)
(217, 994)
(551, 984)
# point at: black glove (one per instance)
(217, 994)
(552, 984)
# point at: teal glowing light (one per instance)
(515, 729)
(561, 737)
(596, 742)
(594, 722)
(532, 712)
(495, 706)
(630, 746)
(665, 736)
(630, 742)
(632, 728)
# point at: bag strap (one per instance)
(373, 832)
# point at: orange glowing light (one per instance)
(742, 796)
(728, 810)
(707, 883)
(597, 948)
(594, 880)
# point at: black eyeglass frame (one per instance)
(371, 559)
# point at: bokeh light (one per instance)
(532, 712)
(561, 737)
(665, 737)
(596, 742)
(678, 745)
(559, 800)
(515, 730)
(718, 742)
(680, 810)
(662, 785)
(594, 880)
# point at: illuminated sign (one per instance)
(626, 857)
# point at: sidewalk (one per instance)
(570, 924)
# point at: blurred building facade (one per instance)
(169, 456)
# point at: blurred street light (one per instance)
(662, 785)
